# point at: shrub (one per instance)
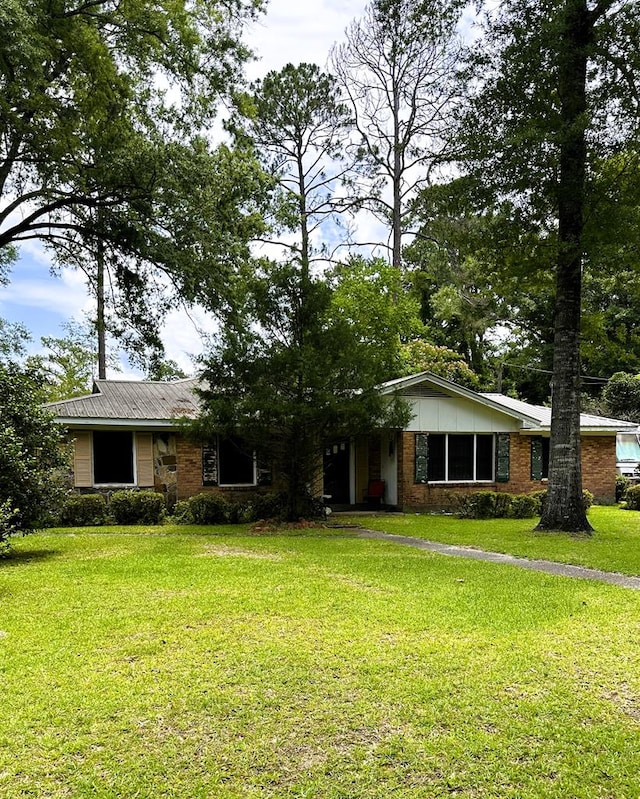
(137, 507)
(524, 506)
(216, 509)
(32, 454)
(8, 525)
(622, 483)
(269, 506)
(182, 512)
(83, 510)
(632, 498)
(478, 505)
(242, 512)
(498, 505)
(208, 509)
(587, 499)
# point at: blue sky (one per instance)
(292, 31)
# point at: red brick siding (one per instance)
(598, 474)
(599, 467)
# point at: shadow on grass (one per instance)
(21, 556)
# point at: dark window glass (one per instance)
(113, 457)
(461, 457)
(484, 457)
(436, 454)
(236, 463)
(545, 458)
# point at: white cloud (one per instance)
(184, 335)
(65, 295)
(297, 31)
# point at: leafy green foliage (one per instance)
(32, 455)
(83, 510)
(419, 355)
(203, 509)
(99, 155)
(137, 507)
(291, 374)
(212, 508)
(621, 396)
(370, 297)
(68, 362)
(622, 483)
(497, 505)
(632, 498)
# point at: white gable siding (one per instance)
(457, 415)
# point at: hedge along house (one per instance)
(127, 434)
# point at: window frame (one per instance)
(254, 467)
(134, 476)
(474, 456)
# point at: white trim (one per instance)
(72, 422)
(474, 479)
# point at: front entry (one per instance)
(335, 466)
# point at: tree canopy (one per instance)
(32, 453)
(102, 110)
(557, 81)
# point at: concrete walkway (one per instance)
(548, 566)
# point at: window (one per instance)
(236, 464)
(230, 462)
(539, 458)
(113, 457)
(457, 457)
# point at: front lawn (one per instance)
(224, 665)
(615, 545)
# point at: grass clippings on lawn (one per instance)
(311, 666)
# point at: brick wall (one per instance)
(599, 467)
(598, 474)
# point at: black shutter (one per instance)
(503, 460)
(209, 465)
(536, 457)
(422, 457)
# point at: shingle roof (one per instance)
(130, 400)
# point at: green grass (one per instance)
(615, 545)
(226, 665)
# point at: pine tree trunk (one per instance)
(100, 315)
(564, 508)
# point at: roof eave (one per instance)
(75, 421)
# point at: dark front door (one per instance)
(336, 472)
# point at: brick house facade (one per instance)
(598, 474)
(128, 434)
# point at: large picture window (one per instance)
(460, 457)
(113, 457)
